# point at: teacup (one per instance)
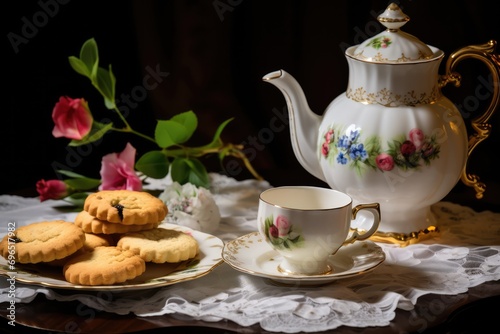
(306, 225)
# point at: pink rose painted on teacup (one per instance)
(283, 225)
(273, 231)
(281, 233)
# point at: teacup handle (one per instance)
(374, 208)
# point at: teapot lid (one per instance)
(393, 45)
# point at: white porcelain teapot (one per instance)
(392, 137)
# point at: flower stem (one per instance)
(129, 129)
(229, 149)
(238, 154)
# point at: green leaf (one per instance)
(154, 164)
(168, 133)
(216, 139)
(187, 119)
(373, 148)
(89, 55)
(105, 83)
(98, 130)
(85, 183)
(79, 66)
(70, 173)
(176, 130)
(268, 222)
(184, 170)
(77, 199)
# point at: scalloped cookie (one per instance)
(44, 241)
(160, 245)
(105, 265)
(91, 224)
(91, 241)
(97, 240)
(126, 207)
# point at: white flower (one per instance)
(191, 207)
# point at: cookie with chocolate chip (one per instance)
(126, 207)
(91, 224)
(43, 241)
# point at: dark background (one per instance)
(216, 53)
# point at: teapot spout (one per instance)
(304, 123)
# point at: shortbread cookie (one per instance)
(91, 241)
(44, 241)
(160, 245)
(63, 261)
(91, 224)
(103, 266)
(126, 207)
(96, 240)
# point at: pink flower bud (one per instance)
(283, 225)
(51, 189)
(273, 231)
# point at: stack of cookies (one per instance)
(109, 242)
(120, 211)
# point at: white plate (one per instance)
(251, 254)
(156, 275)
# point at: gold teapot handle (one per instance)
(485, 53)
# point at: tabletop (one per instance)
(419, 287)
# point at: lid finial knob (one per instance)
(393, 17)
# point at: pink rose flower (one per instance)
(325, 148)
(283, 225)
(384, 161)
(72, 118)
(407, 148)
(51, 189)
(117, 171)
(329, 136)
(416, 137)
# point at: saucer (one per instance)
(252, 255)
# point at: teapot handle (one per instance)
(485, 53)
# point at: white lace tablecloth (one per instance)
(465, 254)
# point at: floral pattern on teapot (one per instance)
(281, 233)
(380, 42)
(406, 152)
